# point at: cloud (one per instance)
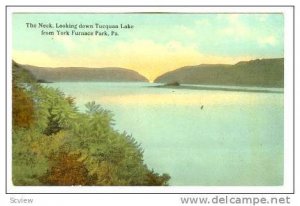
(268, 40)
(255, 33)
(66, 41)
(79, 45)
(186, 31)
(235, 28)
(144, 56)
(36, 58)
(203, 22)
(262, 17)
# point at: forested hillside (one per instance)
(54, 144)
(258, 73)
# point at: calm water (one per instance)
(235, 139)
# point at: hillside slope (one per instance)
(73, 74)
(261, 73)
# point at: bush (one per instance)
(22, 108)
(29, 159)
(67, 169)
(54, 144)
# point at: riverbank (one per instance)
(219, 88)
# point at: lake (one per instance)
(199, 137)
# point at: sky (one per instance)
(158, 43)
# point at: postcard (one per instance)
(170, 97)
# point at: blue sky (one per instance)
(158, 42)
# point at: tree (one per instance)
(67, 169)
(22, 108)
(54, 144)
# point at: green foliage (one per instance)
(154, 179)
(257, 73)
(116, 159)
(29, 162)
(65, 147)
(92, 108)
(54, 111)
(21, 75)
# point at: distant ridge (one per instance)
(259, 72)
(74, 74)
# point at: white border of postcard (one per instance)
(288, 185)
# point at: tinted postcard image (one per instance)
(148, 99)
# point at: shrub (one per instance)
(29, 161)
(67, 169)
(22, 108)
(54, 144)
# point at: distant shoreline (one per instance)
(219, 89)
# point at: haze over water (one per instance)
(199, 137)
